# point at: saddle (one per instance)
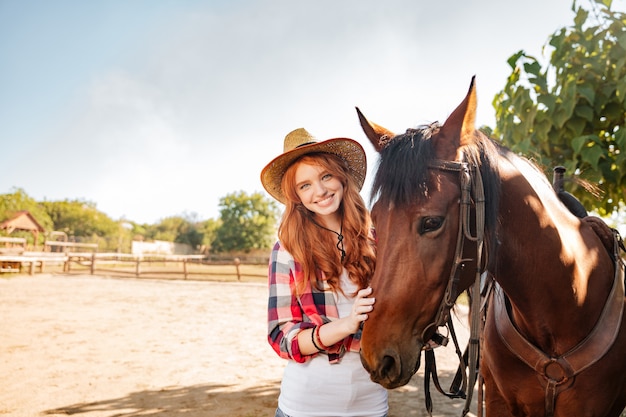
(606, 234)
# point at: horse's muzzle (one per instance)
(389, 371)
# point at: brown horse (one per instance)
(451, 205)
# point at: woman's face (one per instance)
(319, 190)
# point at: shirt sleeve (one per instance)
(285, 316)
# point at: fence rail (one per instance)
(31, 260)
(66, 247)
(121, 264)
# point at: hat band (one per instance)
(304, 144)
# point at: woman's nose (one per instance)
(320, 189)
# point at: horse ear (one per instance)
(462, 122)
(378, 135)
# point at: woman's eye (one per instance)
(304, 187)
(430, 224)
(326, 177)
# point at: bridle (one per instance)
(558, 373)
(472, 194)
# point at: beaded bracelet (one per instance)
(313, 339)
(319, 339)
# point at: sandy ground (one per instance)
(95, 346)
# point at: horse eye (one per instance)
(430, 224)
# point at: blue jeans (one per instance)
(279, 413)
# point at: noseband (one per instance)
(472, 193)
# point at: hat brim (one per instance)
(347, 149)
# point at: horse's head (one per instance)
(416, 216)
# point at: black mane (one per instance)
(403, 177)
(402, 173)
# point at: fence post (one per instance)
(137, 267)
(237, 262)
(185, 267)
(93, 263)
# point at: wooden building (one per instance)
(23, 221)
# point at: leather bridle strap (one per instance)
(430, 372)
(451, 291)
(475, 327)
(472, 188)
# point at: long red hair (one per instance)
(314, 248)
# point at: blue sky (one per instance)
(154, 108)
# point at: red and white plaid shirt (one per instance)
(289, 314)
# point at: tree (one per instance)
(179, 229)
(208, 228)
(572, 111)
(247, 222)
(82, 221)
(18, 200)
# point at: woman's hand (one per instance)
(363, 304)
(334, 331)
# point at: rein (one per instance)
(472, 191)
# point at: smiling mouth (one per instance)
(326, 201)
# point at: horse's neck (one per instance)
(547, 261)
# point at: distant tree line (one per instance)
(247, 222)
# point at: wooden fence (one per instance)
(14, 258)
(127, 265)
(67, 247)
(74, 257)
(31, 261)
(172, 266)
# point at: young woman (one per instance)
(319, 274)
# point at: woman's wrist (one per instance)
(317, 338)
(314, 336)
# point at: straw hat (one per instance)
(300, 142)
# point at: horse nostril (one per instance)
(388, 367)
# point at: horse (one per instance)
(453, 209)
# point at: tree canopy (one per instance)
(571, 110)
(18, 200)
(79, 218)
(248, 222)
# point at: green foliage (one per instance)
(166, 230)
(83, 222)
(208, 229)
(179, 229)
(247, 222)
(572, 111)
(18, 200)
(80, 218)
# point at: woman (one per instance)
(319, 274)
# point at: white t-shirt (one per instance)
(318, 388)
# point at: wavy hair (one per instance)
(316, 250)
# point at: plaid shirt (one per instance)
(289, 314)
